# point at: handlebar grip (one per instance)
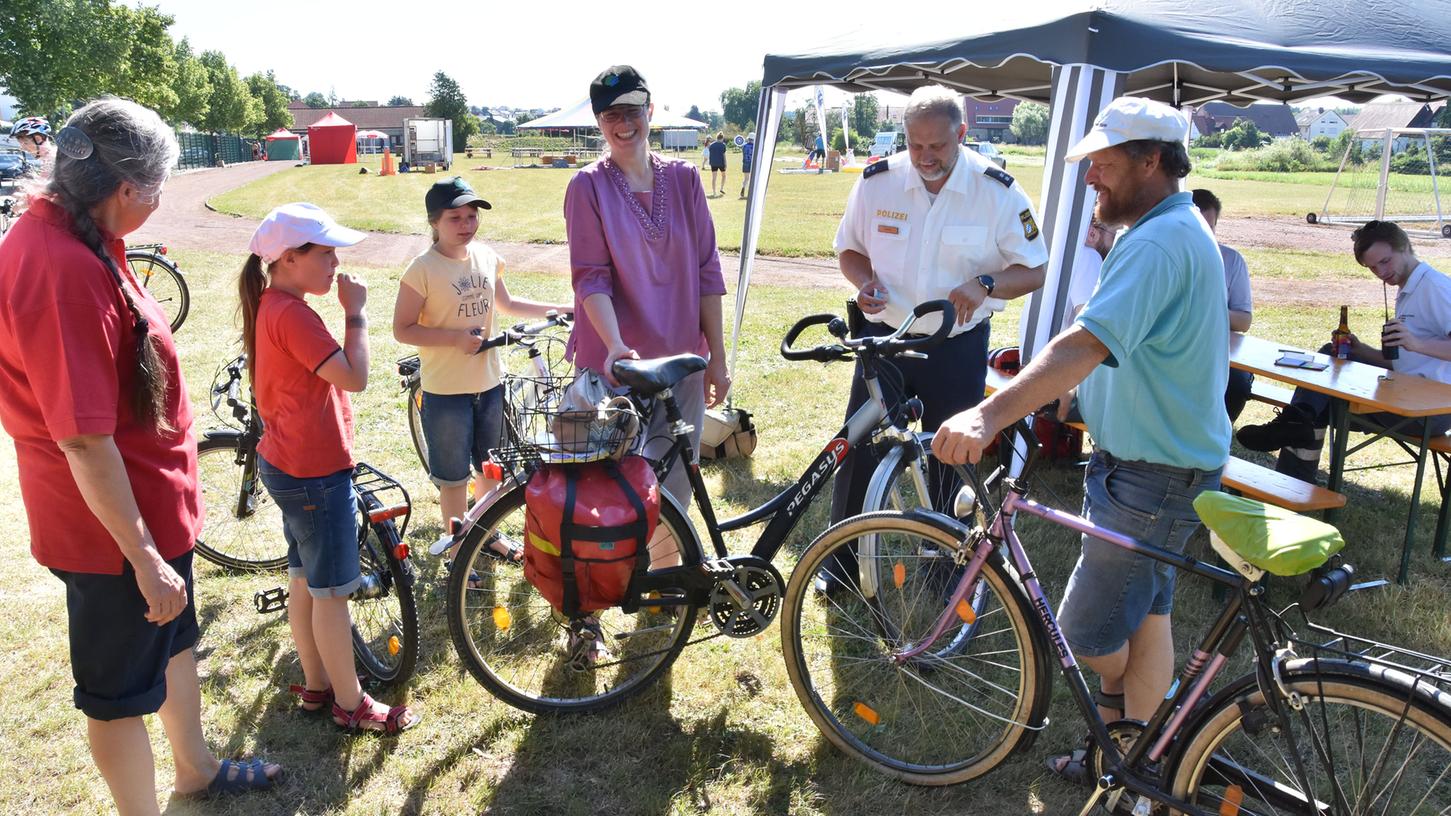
(802, 325)
(949, 317)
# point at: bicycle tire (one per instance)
(163, 280)
(383, 611)
(241, 528)
(949, 715)
(1397, 761)
(414, 395)
(510, 638)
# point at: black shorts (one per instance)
(720, 167)
(118, 658)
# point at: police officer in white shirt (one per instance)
(940, 222)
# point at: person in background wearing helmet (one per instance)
(34, 136)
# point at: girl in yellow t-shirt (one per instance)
(445, 307)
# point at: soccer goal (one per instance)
(1391, 174)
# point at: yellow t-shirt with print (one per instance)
(457, 294)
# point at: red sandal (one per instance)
(396, 720)
(313, 701)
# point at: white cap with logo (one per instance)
(292, 225)
(1129, 119)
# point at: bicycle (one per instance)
(163, 278)
(507, 634)
(242, 531)
(890, 679)
(544, 361)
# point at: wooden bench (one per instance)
(1264, 390)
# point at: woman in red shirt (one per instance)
(301, 376)
(92, 393)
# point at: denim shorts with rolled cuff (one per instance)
(320, 524)
(460, 430)
(1112, 590)
(118, 658)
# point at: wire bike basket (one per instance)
(548, 428)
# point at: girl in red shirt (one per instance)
(300, 378)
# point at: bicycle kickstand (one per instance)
(270, 600)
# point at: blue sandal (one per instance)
(237, 777)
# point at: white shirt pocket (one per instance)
(888, 243)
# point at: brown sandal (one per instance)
(396, 720)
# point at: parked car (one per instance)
(987, 151)
(888, 142)
(13, 164)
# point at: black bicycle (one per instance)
(162, 278)
(522, 650)
(242, 530)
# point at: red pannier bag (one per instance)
(587, 531)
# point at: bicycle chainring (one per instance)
(745, 602)
(1124, 733)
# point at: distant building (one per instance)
(388, 119)
(989, 121)
(1317, 122)
(1382, 115)
(1276, 120)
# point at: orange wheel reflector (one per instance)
(502, 618)
(394, 645)
(964, 611)
(418, 400)
(400, 552)
(654, 610)
(385, 513)
(1233, 797)
(899, 574)
(866, 712)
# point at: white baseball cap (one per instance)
(1129, 119)
(292, 225)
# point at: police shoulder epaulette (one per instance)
(995, 173)
(879, 166)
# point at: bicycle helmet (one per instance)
(32, 125)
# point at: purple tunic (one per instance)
(655, 263)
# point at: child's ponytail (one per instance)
(249, 292)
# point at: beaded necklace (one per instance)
(653, 222)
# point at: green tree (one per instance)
(232, 106)
(446, 100)
(739, 105)
(54, 53)
(271, 103)
(149, 73)
(193, 88)
(865, 114)
(694, 113)
(400, 101)
(1030, 123)
(315, 100)
(1244, 134)
(1442, 118)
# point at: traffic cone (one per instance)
(388, 169)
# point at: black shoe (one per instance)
(1293, 428)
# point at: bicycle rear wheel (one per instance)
(161, 278)
(954, 712)
(385, 618)
(513, 642)
(1364, 741)
(242, 528)
(414, 395)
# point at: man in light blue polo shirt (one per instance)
(1151, 351)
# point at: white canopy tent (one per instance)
(579, 116)
(1077, 61)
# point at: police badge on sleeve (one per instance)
(1030, 227)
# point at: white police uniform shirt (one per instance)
(1424, 306)
(920, 249)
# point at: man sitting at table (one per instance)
(1241, 306)
(1420, 329)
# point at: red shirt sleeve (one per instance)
(304, 337)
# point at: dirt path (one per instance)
(183, 221)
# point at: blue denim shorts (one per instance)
(1112, 590)
(460, 430)
(320, 523)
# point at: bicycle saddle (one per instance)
(1255, 537)
(649, 377)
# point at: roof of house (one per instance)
(1306, 118)
(1392, 115)
(1276, 120)
(365, 118)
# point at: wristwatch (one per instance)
(987, 282)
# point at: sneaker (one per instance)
(1293, 428)
(440, 546)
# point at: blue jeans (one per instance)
(1112, 590)
(320, 523)
(460, 430)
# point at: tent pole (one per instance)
(768, 124)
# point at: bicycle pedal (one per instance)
(718, 568)
(270, 600)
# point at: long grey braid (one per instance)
(103, 144)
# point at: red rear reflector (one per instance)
(455, 526)
(400, 552)
(385, 513)
(163, 249)
(492, 472)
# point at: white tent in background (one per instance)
(579, 117)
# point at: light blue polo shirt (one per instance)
(1159, 307)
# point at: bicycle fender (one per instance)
(221, 433)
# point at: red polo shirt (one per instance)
(66, 369)
(307, 421)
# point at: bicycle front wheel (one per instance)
(385, 619)
(1364, 741)
(242, 528)
(415, 423)
(163, 280)
(955, 711)
(514, 643)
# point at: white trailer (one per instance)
(428, 141)
(680, 139)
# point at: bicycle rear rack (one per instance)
(1426, 669)
(388, 498)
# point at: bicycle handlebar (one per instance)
(822, 354)
(522, 332)
(884, 346)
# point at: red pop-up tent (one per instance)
(333, 140)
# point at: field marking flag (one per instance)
(821, 116)
(845, 129)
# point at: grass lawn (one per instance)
(723, 734)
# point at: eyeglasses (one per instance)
(621, 113)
